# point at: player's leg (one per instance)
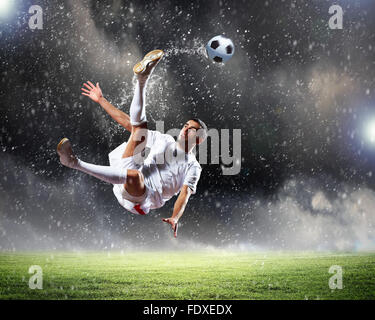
(105, 173)
(131, 178)
(135, 185)
(143, 70)
(137, 142)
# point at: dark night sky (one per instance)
(301, 94)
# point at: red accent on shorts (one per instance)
(139, 210)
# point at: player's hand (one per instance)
(174, 223)
(93, 92)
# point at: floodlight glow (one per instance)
(370, 131)
(5, 6)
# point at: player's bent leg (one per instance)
(135, 185)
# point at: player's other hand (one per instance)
(93, 92)
(174, 224)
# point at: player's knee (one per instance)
(135, 183)
(134, 177)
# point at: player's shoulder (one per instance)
(193, 162)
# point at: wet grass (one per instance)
(187, 275)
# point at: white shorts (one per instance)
(138, 205)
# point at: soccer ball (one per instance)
(220, 49)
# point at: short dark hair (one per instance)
(201, 133)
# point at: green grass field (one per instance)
(187, 275)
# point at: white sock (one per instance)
(138, 105)
(104, 173)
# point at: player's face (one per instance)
(189, 131)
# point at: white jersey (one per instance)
(166, 169)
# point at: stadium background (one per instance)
(301, 94)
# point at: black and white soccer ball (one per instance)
(220, 49)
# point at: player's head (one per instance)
(194, 131)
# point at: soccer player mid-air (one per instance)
(141, 182)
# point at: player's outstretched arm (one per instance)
(179, 208)
(95, 94)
